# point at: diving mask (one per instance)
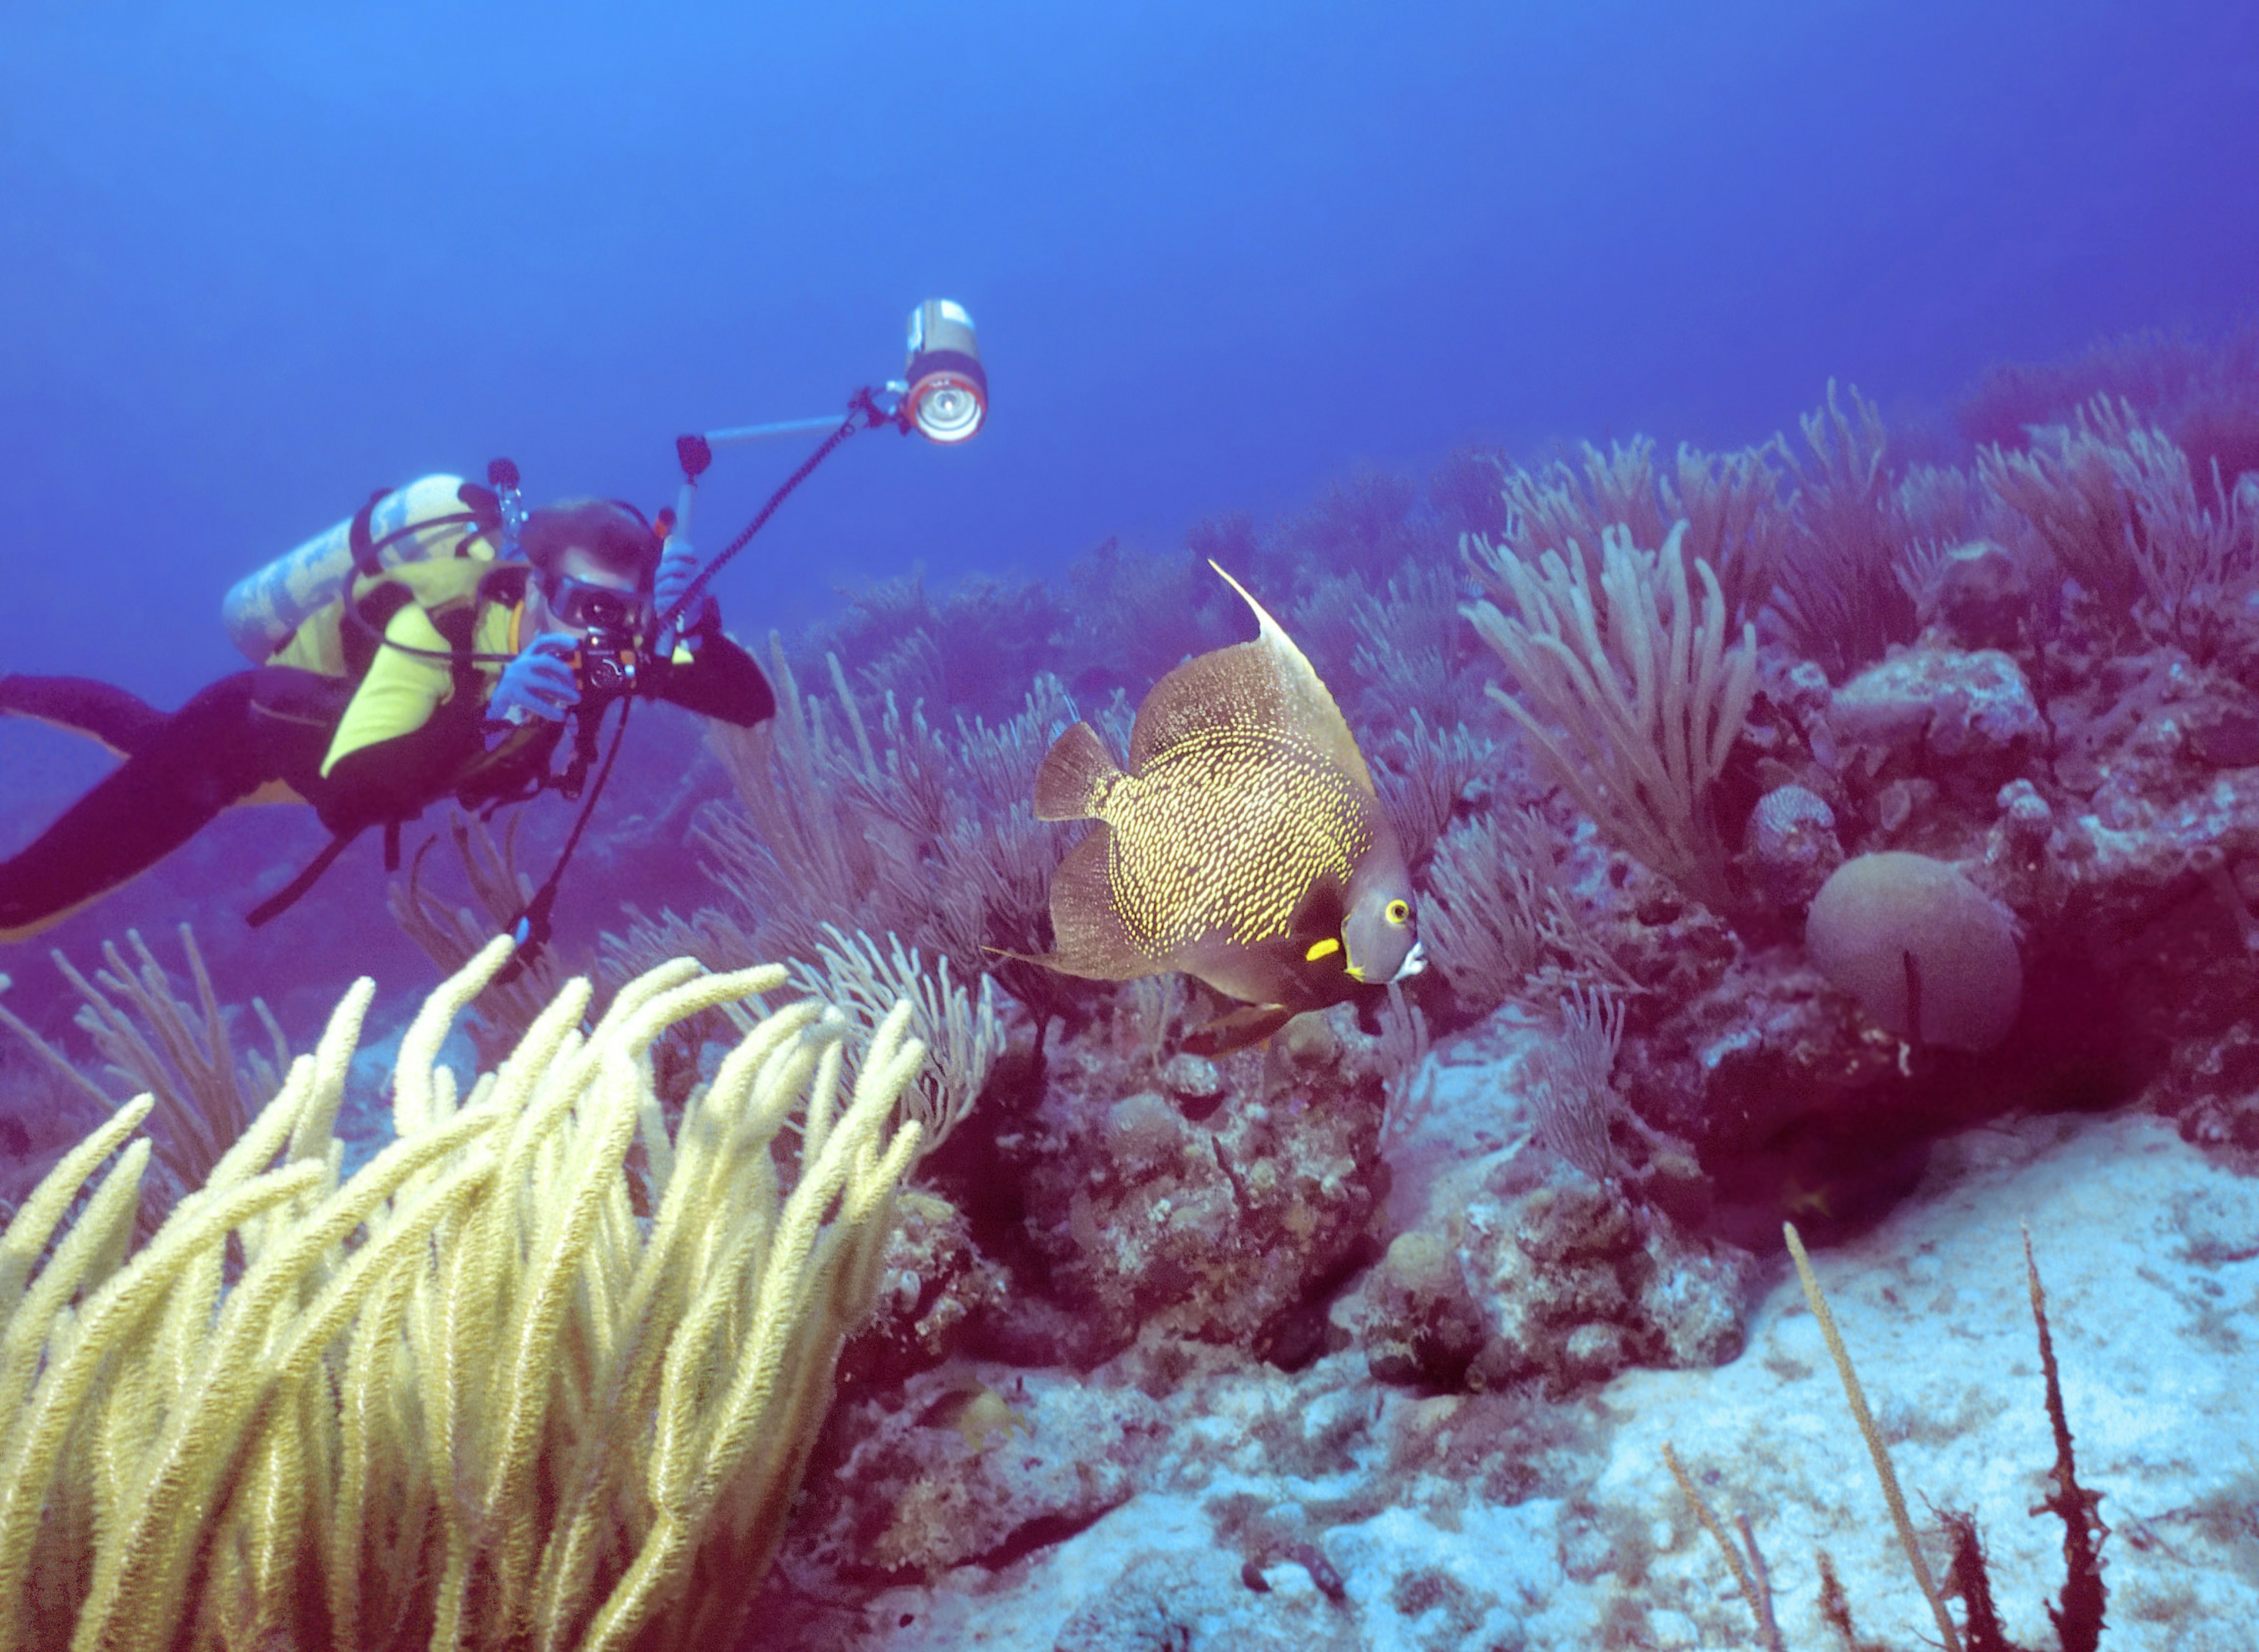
(585, 606)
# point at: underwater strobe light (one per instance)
(942, 395)
(948, 394)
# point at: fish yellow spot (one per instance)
(1228, 829)
(1326, 948)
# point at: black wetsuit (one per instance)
(262, 735)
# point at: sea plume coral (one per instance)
(2202, 392)
(181, 1056)
(398, 1420)
(1730, 503)
(1633, 699)
(1839, 596)
(2115, 501)
(892, 825)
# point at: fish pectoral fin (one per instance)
(1249, 1024)
(1077, 774)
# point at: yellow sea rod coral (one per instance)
(468, 1398)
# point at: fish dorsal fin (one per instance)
(1266, 684)
(1077, 774)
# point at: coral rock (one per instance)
(930, 1495)
(1790, 846)
(1226, 1230)
(935, 1286)
(1569, 1282)
(1966, 712)
(1982, 594)
(1144, 1135)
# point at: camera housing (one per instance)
(605, 665)
(612, 623)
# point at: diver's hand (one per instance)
(538, 683)
(677, 570)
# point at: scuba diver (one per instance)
(449, 675)
(434, 645)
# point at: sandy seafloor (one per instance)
(2150, 1259)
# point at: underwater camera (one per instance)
(612, 625)
(605, 665)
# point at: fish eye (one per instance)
(1399, 912)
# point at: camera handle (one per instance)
(696, 452)
(531, 928)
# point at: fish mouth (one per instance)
(1415, 961)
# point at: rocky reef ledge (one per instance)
(1182, 1497)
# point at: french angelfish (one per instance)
(1244, 844)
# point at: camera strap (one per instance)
(531, 928)
(291, 893)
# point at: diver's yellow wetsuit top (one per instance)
(342, 717)
(411, 677)
(411, 728)
(415, 728)
(402, 689)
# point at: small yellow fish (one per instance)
(1244, 844)
(978, 1413)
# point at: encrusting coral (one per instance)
(493, 1390)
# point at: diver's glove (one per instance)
(677, 570)
(538, 683)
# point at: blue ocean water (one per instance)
(262, 260)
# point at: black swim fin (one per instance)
(121, 721)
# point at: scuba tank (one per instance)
(421, 522)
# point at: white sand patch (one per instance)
(2150, 1259)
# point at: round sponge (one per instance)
(1882, 923)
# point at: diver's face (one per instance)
(1378, 934)
(573, 598)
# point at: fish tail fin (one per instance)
(1077, 774)
(1088, 937)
